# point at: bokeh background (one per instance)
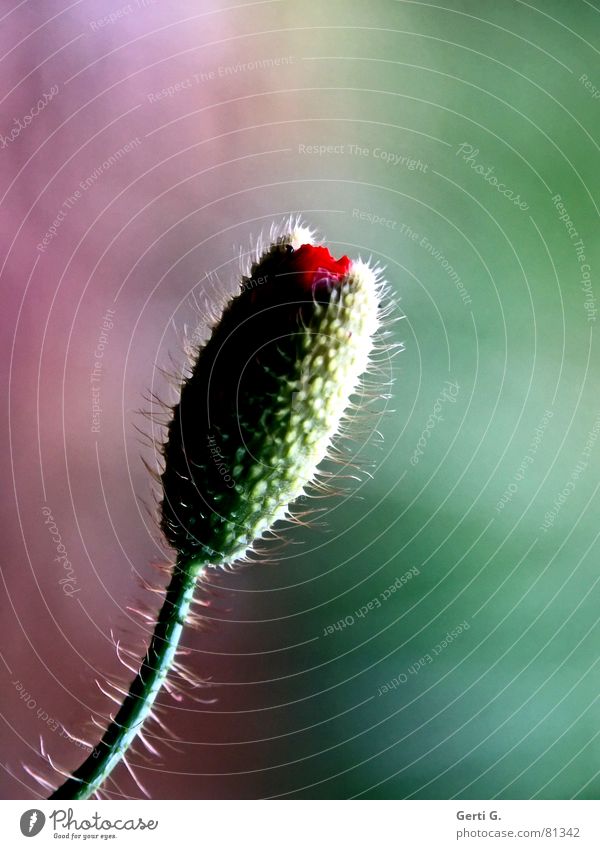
(458, 145)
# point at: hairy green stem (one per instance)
(143, 691)
(265, 397)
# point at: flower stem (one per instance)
(138, 702)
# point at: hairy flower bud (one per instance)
(266, 396)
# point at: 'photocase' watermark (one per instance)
(68, 582)
(449, 394)
(469, 155)
(23, 122)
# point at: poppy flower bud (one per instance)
(265, 396)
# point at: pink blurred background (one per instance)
(138, 193)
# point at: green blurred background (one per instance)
(446, 142)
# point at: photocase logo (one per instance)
(63, 824)
(32, 822)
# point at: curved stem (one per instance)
(143, 691)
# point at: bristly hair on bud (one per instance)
(266, 396)
(264, 399)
